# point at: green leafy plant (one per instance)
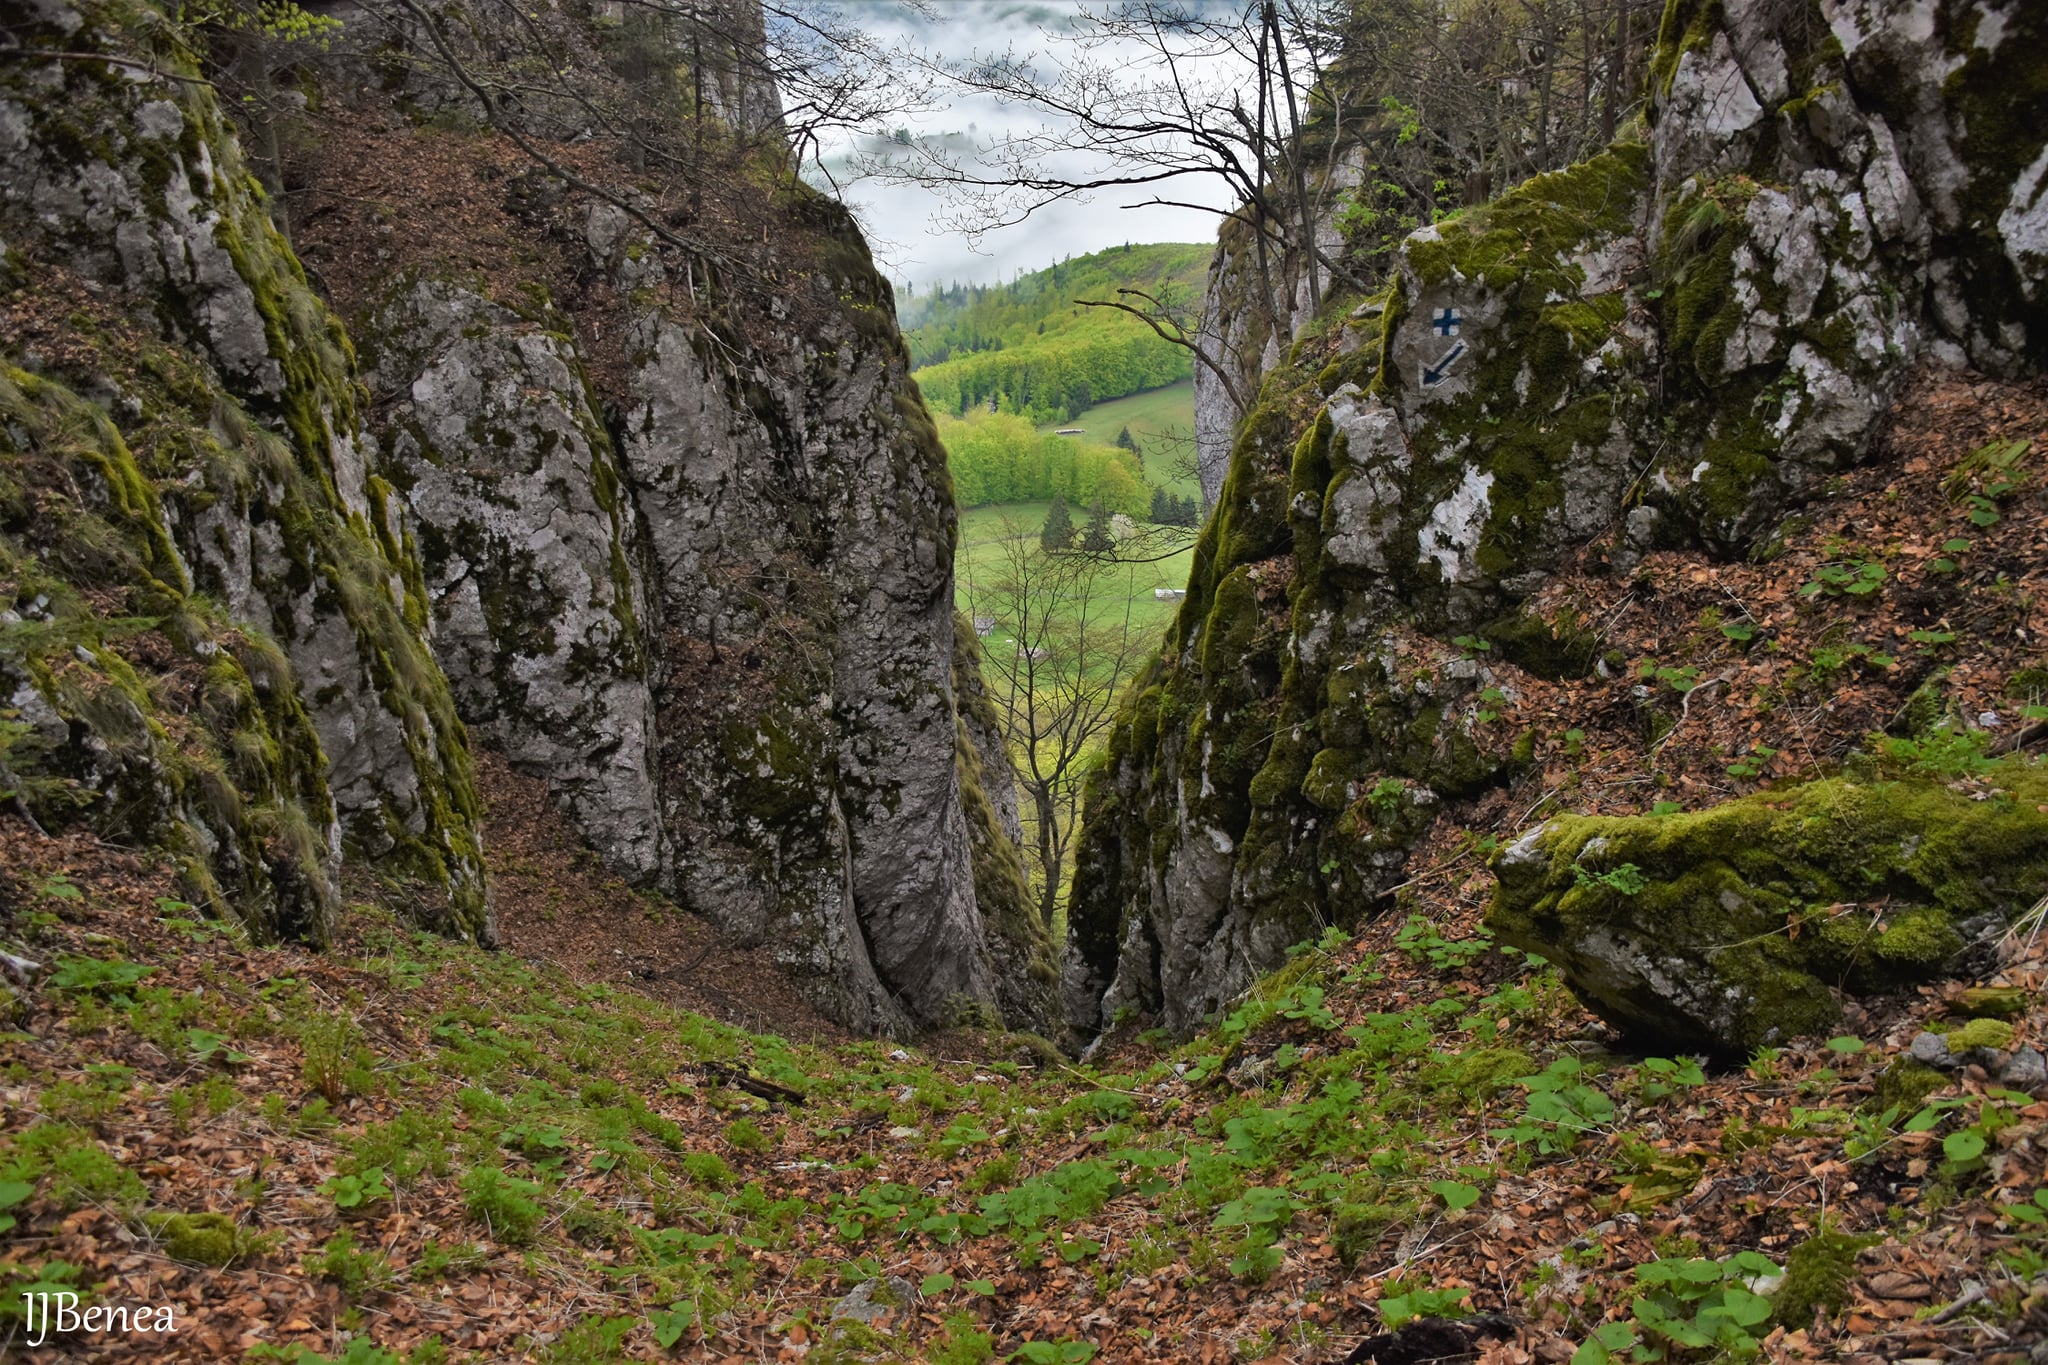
(745, 1135)
(359, 1273)
(436, 1260)
(1830, 659)
(13, 1193)
(1951, 549)
(1456, 1194)
(1407, 1300)
(327, 1043)
(1420, 939)
(1754, 763)
(1661, 1076)
(1385, 797)
(1561, 1107)
(1845, 578)
(1946, 752)
(508, 1206)
(357, 1191)
(90, 974)
(668, 1324)
(1679, 679)
(1626, 879)
(2033, 1213)
(1986, 474)
(1701, 1304)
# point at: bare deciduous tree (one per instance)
(1063, 640)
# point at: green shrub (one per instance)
(746, 1136)
(707, 1169)
(508, 1206)
(359, 1273)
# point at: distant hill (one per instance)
(1033, 350)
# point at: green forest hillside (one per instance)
(1032, 349)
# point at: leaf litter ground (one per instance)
(422, 1150)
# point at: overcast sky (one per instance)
(901, 220)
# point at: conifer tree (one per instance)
(1059, 528)
(1097, 538)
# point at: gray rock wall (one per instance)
(1666, 344)
(714, 607)
(530, 547)
(131, 183)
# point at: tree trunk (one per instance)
(1048, 852)
(1295, 154)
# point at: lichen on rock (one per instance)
(528, 544)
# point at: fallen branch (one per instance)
(1973, 1294)
(753, 1085)
(1685, 709)
(20, 968)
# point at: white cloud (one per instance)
(906, 224)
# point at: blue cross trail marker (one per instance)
(1447, 322)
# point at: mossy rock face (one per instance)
(528, 546)
(1558, 650)
(215, 346)
(181, 728)
(1734, 925)
(1670, 343)
(1517, 375)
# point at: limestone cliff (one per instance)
(213, 613)
(657, 512)
(1664, 345)
(688, 537)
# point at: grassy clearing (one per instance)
(1162, 421)
(983, 529)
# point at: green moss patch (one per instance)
(1731, 927)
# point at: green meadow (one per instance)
(1162, 422)
(982, 558)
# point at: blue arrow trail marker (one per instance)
(1433, 375)
(1447, 322)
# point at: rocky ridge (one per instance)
(1666, 346)
(671, 520)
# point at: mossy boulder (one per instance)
(1991, 1002)
(1732, 928)
(1979, 1033)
